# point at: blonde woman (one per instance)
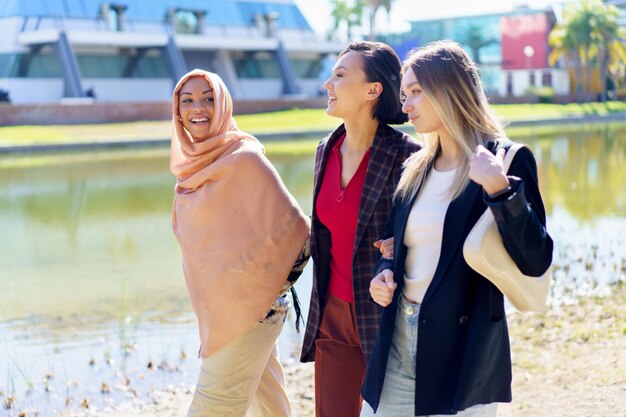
(241, 236)
(443, 345)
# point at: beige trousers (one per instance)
(245, 378)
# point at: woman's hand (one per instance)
(487, 170)
(382, 287)
(386, 247)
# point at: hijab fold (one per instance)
(239, 229)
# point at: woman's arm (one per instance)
(517, 208)
(386, 262)
(521, 217)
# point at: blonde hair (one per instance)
(450, 80)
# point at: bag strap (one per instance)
(510, 154)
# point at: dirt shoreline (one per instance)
(567, 362)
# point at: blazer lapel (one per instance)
(379, 168)
(453, 233)
(402, 215)
(321, 162)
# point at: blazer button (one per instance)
(463, 319)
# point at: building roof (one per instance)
(218, 12)
(515, 11)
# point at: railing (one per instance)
(34, 23)
(68, 23)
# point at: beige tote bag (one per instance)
(485, 253)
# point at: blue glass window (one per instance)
(258, 65)
(308, 68)
(44, 65)
(122, 66)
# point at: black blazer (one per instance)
(463, 354)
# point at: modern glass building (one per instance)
(134, 50)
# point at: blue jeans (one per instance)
(398, 396)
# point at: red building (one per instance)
(520, 33)
(525, 51)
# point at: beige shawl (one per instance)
(238, 227)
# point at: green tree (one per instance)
(348, 12)
(373, 6)
(474, 38)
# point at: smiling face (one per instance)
(196, 107)
(418, 106)
(349, 92)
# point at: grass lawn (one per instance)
(512, 112)
(295, 120)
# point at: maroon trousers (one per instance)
(339, 362)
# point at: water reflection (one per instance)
(583, 171)
(92, 288)
(80, 236)
(91, 284)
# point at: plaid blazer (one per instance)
(389, 150)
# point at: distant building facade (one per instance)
(510, 48)
(525, 52)
(134, 50)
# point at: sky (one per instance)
(317, 12)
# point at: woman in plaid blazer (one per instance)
(357, 168)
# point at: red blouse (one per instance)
(338, 210)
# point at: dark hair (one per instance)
(381, 64)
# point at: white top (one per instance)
(424, 232)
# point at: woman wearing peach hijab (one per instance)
(241, 236)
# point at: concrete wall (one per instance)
(561, 82)
(257, 89)
(133, 89)
(521, 81)
(33, 90)
(50, 90)
(84, 112)
(312, 87)
(10, 30)
(80, 112)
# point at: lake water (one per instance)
(92, 298)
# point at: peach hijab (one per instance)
(239, 229)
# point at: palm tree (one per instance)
(573, 38)
(474, 38)
(348, 12)
(617, 73)
(608, 47)
(373, 6)
(589, 31)
(581, 25)
(564, 46)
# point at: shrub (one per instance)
(545, 94)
